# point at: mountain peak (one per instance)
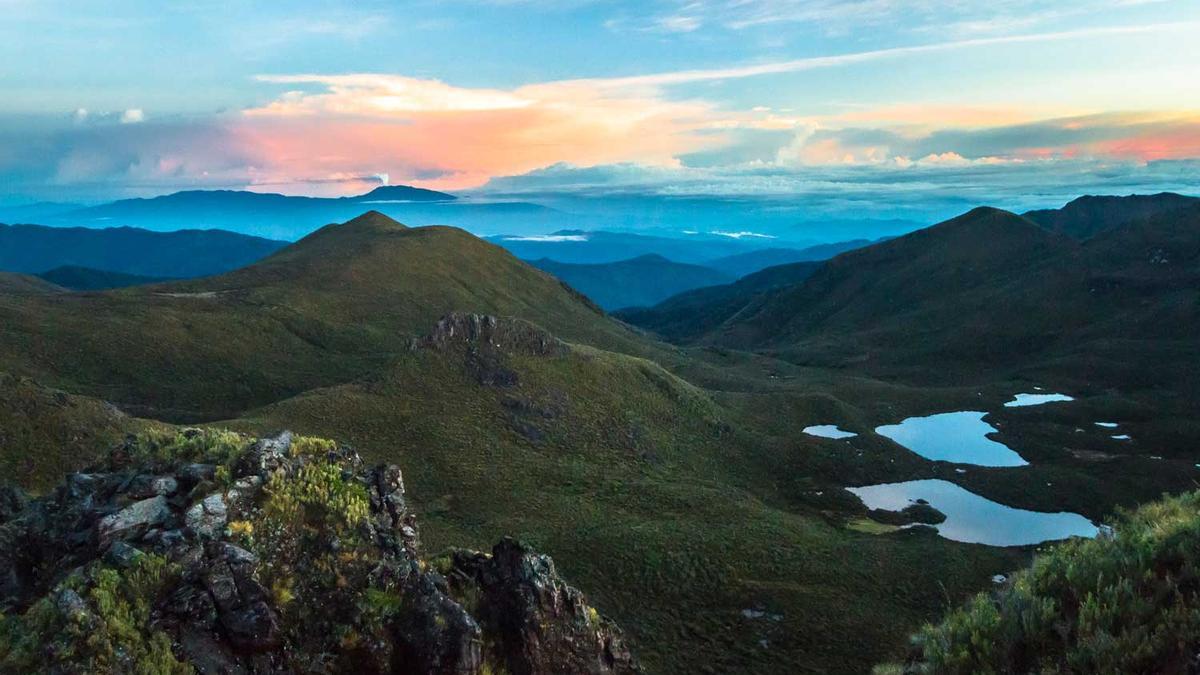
(372, 220)
(404, 193)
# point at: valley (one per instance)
(661, 454)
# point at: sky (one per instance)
(896, 108)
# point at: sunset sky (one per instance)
(744, 97)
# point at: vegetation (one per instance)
(1126, 603)
(97, 621)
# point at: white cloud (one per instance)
(133, 116)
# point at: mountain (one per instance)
(529, 413)
(188, 253)
(1089, 215)
(205, 551)
(636, 282)
(286, 217)
(741, 264)
(690, 314)
(990, 293)
(402, 193)
(593, 247)
(323, 310)
(87, 279)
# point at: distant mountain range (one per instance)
(36, 249)
(636, 282)
(88, 279)
(285, 217)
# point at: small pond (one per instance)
(1024, 400)
(828, 431)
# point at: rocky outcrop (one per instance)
(215, 553)
(499, 333)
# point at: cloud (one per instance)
(133, 116)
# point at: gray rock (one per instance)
(132, 521)
(207, 518)
(145, 486)
(122, 555)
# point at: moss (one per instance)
(107, 631)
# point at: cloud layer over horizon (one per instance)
(1026, 101)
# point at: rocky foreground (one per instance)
(209, 552)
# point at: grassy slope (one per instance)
(328, 309)
(690, 314)
(45, 433)
(648, 497)
(88, 279)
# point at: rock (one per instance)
(122, 555)
(340, 589)
(12, 501)
(208, 517)
(265, 456)
(133, 521)
(144, 486)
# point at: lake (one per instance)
(959, 437)
(828, 431)
(974, 519)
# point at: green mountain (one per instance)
(637, 282)
(690, 314)
(325, 310)
(33, 249)
(87, 279)
(1090, 215)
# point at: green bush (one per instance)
(1129, 603)
(108, 631)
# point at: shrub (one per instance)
(1126, 603)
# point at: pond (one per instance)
(828, 431)
(1024, 400)
(974, 519)
(959, 437)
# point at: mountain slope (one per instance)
(186, 253)
(991, 293)
(916, 283)
(324, 310)
(689, 315)
(741, 264)
(1090, 215)
(24, 284)
(637, 282)
(88, 279)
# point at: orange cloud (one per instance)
(449, 137)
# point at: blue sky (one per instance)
(785, 99)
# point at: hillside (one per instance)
(637, 282)
(690, 314)
(905, 284)
(87, 279)
(24, 284)
(1088, 216)
(322, 311)
(33, 249)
